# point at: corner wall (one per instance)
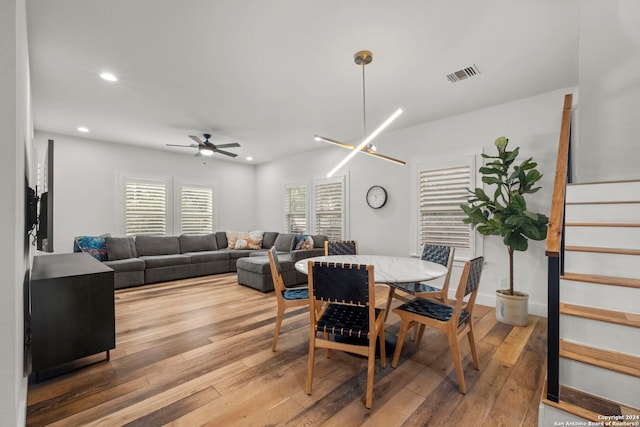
(15, 139)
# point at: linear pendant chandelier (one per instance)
(363, 58)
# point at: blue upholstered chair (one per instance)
(454, 320)
(286, 297)
(346, 292)
(341, 247)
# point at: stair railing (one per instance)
(555, 251)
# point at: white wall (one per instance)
(532, 123)
(15, 138)
(86, 185)
(609, 59)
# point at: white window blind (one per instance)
(295, 209)
(330, 208)
(442, 190)
(196, 210)
(145, 208)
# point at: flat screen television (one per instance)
(44, 235)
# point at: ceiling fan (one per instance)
(207, 148)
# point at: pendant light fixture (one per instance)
(363, 58)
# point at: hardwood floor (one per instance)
(198, 352)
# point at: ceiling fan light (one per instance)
(206, 151)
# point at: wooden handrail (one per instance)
(554, 230)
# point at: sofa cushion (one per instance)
(269, 239)
(284, 242)
(120, 248)
(260, 264)
(207, 256)
(318, 241)
(96, 246)
(155, 261)
(126, 265)
(221, 238)
(157, 245)
(198, 242)
(240, 253)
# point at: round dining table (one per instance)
(386, 269)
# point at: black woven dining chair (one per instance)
(342, 305)
(341, 247)
(442, 255)
(454, 320)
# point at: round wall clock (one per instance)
(376, 197)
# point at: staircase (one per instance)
(599, 310)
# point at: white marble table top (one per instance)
(386, 269)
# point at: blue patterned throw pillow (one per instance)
(96, 246)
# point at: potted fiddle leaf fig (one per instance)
(502, 211)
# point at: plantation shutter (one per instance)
(442, 190)
(295, 209)
(196, 210)
(145, 208)
(329, 209)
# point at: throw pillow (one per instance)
(233, 236)
(255, 239)
(96, 246)
(303, 241)
(241, 244)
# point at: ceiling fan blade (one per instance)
(382, 156)
(233, 144)
(196, 139)
(226, 153)
(188, 146)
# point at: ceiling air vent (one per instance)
(465, 73)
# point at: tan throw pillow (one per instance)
(241, 244)
(254, 240)
(234, 236)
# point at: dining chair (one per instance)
(341, 247)
(286, 297)
(342, 304)
(442, 255)
(454, 320)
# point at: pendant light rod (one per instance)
(366, 141)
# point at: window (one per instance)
(145, 210)
(295, 208)
(329, 204)
(442, 189)
(196, 210)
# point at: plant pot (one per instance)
(512, 309)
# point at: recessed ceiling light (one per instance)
(83, 129)
(249, 158)
(109, 77)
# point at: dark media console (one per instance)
(72, 309)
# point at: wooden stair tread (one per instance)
(588, 406)
(602, 280)
(615, 361)
(611, 316)
(618, 251)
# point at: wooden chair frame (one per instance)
(280, 289)
(318, 307)
(452, 328)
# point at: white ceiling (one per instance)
(271, 74)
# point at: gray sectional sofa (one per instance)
(151, 259)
